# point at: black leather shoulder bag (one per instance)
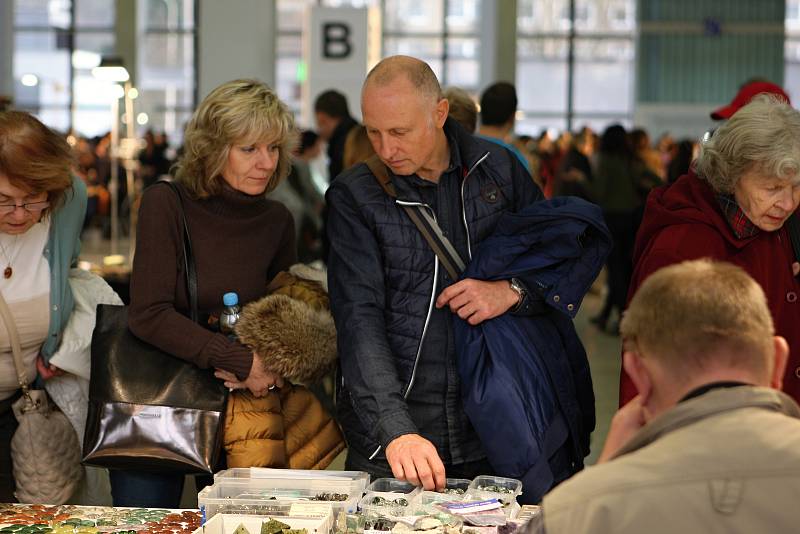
(150, 410)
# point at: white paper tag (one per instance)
(310, 509)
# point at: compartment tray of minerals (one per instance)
(339, 481)
(393, 486)
(387, 504)
(505, 490)
(263, 498)
(252, 524)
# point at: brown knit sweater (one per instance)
(240, 243)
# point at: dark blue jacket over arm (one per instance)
(526, 383)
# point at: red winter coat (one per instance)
(684, 222)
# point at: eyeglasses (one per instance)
(31, 207)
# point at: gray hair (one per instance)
(763, 135)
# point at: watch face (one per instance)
(516, 286)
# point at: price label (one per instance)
(310, 509)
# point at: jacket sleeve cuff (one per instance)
(232, 356)
(393, 426)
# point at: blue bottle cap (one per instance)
(230, 299)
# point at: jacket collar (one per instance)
(465, 153)
(713, 403)
(690, 200)
(470, 152)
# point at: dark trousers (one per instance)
(150, 490)
(622, 227)
(379, 467)
(8, 425)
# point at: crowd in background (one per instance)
(614, 168)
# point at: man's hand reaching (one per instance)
(415, 460)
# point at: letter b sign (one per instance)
(336, 40)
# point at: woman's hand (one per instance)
(230, 380)
(47, 371)
(259, 381)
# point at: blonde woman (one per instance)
(237, 149)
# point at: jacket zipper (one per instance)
(463, 205)
(427, 317)
(435, 274)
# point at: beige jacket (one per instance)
(727, 461)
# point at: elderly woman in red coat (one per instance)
(733, 206)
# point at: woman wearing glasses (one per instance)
(42, 207)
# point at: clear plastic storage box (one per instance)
(392, 485)
(271, 496)
(354, 481)
(228, 523)
(455, 489)
(496, 485)
(387, 504)
(506, 490)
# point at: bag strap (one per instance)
(16, 346)
(188, 256)
(423, 220)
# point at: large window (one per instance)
(56, 44)
(445, 33)
(575, 67)
(791, 77)
(166, 71)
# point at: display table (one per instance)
(270, 501)
(71, 519)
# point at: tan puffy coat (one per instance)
(292, 330)
(287, 428)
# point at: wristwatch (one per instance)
(519, 289)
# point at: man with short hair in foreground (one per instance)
(709, 444)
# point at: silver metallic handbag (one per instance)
(45, 452)
(150, 410)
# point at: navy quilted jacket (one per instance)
(381, 279)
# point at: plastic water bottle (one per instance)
(230, 314)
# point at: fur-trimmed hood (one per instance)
(292, 329)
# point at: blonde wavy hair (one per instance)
(764, 135)
(237, 112)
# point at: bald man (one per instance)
(399, 400)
